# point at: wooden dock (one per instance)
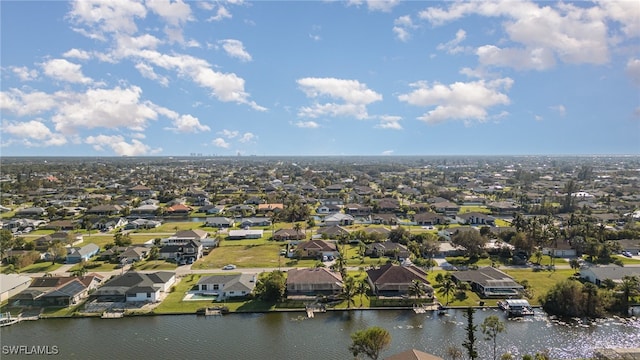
(421, 309)
(112, 315)
(312, 309)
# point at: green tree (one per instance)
(491, 327)
(80, 272)
(575, 264)
(272, 287)
(57, 251)
(447, 288)
(454, 353)
(370, 342)
(470, 343)
(362, 287)
(349, 291)
(417, 289)
(7, 242)
(122, 239)
(628, 288)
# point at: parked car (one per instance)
(627, 254)
(229, 267)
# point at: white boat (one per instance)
(6, 319)
(516, 307)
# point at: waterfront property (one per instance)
(133, 286)
(225, 286)
(394, 280)
(56, 291)
(313, 281)
(598, 274)
(77, 255)
(489, 282)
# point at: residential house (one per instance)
(429, 219)
(145, 210)
(328, 209)
(598, 274)
(313, 281)
(333, 232)
(559, 249)
(31, 212)
(78, 255)
(394, 280)
(357, 210)
(183, 236)
(489, 282)
(133, 254)
(338, 219)
(475, 218)
(213, 209)
(56, 290)
(188, 251)
(387, 248)
(140, 191)
(503, 208)
(11, 284)
(242, 208)
(631, 246)
(178, 210)
(106, 210)
(388, 205)
(142, 224)
(44, 242)
(220, 222)
(266, 208)
(289, 234)
(384, 219)
(316, 249)
(245, 234)
(62, 225)
(447, 208)
(133, 286)
(227, 286)
(255, 221)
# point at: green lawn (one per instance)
(249, 255)
(44, 267)
(626, 260)
(540, 281)
(155, 265)
(474, 208)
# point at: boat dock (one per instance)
(516, 307)
(312, 309)
(7, 319)
(112, 315)
(423, 308)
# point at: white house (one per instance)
(598, 274)
(227, 286)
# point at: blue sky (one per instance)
(159, 77)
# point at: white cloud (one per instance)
(107, 16)
(355, 95)
(401, 27)
(376, 5)
(106, 108)
(453, 46)
(33, 133)
(387, 152)
(307, 124)
(458, 101)
(148, 72)
(229, 134)
(77, 54)
(560, 109)
(221, 14)
(24, 73)
(540, 34)
(118, 145)
(633, 70)
(235, 49)
(626, 13)
(519, 59)
(538, 117)
(389, 122)
(221, 143)
(175, 12)
(20, 103)
(247, 137)
(188, 124)
(61, 69)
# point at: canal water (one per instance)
(293, 336)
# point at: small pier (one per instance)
(423, 308)
(312, 309)
(112, 315)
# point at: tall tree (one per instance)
(271, 287)
(370, 342)
(447, 288)
(470, 343)
(491, 327)
(628, 287)
(349, 291)
(57, 250)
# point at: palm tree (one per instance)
(349, 291)
(628, 287)
(447, 288)
(361, 289)
(417, 289)
(82, 271)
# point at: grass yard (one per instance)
(474, 208)
(44, 267)
(104, 266)
(172, 227)
(540, 281)
(154, 265)
(248, 256)
(626, 260)
(173, 302)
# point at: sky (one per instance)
(228, 78)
